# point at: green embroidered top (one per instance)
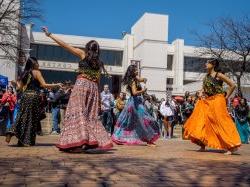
(90, 71)
(90, 74)
(212, 86)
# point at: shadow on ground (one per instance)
(68, 170)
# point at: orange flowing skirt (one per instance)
(211, 125)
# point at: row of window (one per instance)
(194, 64)
(191, 64)
(52, 76)
(170, 82)
(56, 53)
(197, 64)
(112, 58)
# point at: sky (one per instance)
(109, 18)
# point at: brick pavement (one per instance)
(171, 163)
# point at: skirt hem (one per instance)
(137, 142)
(82, 143)
(198, 142)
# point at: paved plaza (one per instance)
(172, 163)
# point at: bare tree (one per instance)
(228, 41)
(13, 15)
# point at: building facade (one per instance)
(171, 68)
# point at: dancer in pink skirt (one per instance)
(81, 127)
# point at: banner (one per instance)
(3, 80)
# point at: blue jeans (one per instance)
(107, 120)
(55, 119)
(10, 119)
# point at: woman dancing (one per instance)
(135, 125)
(29, 113)
(81, 126)
(210, 123)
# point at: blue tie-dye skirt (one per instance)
(135, 125)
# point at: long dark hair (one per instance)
(129, 76)
(29, 66)
(245, 101)
(216, 63)
(92, 50)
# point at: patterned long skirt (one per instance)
(28, 117)
(81, 125)
(135, 125)
(211, 125)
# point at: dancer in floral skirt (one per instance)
(81, 127)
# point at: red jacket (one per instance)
(9, 98)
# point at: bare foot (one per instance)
(235, 150)
(151, 144)
(202, 149)
(228, 153)
(76, 150)
(232, 151)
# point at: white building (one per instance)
(167, 66)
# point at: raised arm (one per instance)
(135, 91)
(37, 75)
(141, 79)
(229, 82)
(75, 51)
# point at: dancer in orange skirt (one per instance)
(210, 123)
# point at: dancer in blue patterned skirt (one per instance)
(135, 125)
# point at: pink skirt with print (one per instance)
(81, 124)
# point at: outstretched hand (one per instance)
(60, 85)
(45, 30)
(13, 83)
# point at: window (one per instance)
(188, 81)
(56, 53)
(52, 53)
(169, 89)
(170, 62)
(111, 57)
(52, 76)
(194, 64)
(170, 81)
